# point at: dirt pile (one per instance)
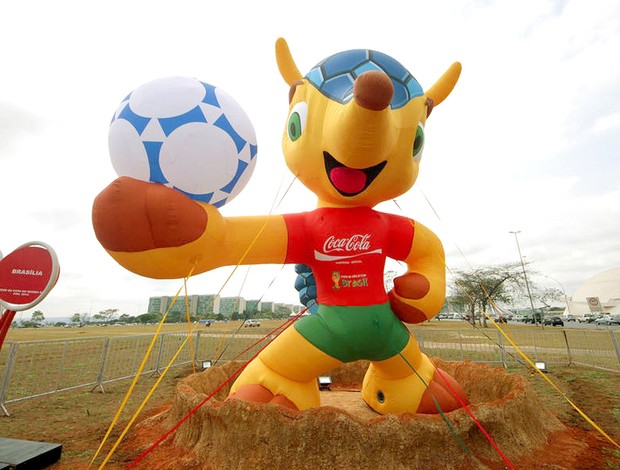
(346, 433)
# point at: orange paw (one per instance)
(442, 389)
(132, 216)
(258, 394)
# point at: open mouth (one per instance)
(350, 181)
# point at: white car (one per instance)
(608, 320)
(251, 323)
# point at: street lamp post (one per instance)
(563, 292)
(527, 284)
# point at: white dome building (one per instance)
(599, 294)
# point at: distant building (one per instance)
(230, 305)
(203, 305)
(283, 308)
(199, 305)
(253, 306)
(599, 294)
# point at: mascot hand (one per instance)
(135, 216)
(406, 298)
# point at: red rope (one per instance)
(480, 426)
(243, 366)
(220, 387)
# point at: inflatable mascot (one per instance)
(354, 136)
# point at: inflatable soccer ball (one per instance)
(186, 134)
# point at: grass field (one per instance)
(52, 333)
(79, 418)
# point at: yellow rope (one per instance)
(144, 402)
(135, 379)
(522, 354)
(544, 376)
(189, 322)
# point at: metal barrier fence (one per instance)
(37, 368)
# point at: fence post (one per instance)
(535, 347)
(570, 357)
(196, 348)
(62, 365)
(614, 340)
(502, 350)
(8, 371)
(160, 353)
(104, 360)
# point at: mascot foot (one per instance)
(445, 391)
(258, 394)
(428, 390)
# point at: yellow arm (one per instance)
(225, 242)
(419, 294)
(158, 232)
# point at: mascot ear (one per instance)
(289, 71)
(444, 86)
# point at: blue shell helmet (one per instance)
(334, 77)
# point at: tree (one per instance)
(37, 317)
(475, 290)
(149, 318)
(76, 318)
(550, 294)
(108, 314)
(124, 318)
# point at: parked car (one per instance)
(570, 317)
(608, 320)
(251, 323)
(554, 321)
(537, 317)
(586, 318)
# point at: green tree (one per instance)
(37, 317)
(149, 318)
(476, 290)
(108, 314)
(76, 318)
(124, 318)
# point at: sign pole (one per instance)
(5, 323)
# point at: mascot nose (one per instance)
(373, 90)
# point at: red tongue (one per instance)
(348, 180)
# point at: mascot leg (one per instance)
(409, 382)
(285, 373)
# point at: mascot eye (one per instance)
(418, 143)
(297, 121)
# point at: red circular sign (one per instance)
(27, 275)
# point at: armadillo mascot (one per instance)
(354, 136)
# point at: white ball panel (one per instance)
(236, 116)
(167, 97)
(127, 151)
(243, 180)
(198, 158)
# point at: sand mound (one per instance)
(345, 433)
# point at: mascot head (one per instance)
(355, 130)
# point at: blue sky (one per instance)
(529, 140)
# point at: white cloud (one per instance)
(607, 123)
(519, 145)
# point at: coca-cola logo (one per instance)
(357, 242)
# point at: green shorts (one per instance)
(351, 333)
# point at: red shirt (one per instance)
(346, 249)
